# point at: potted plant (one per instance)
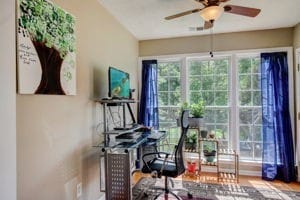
(197, 111)
(191, 142)
(209, 151)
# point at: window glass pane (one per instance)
(246, 150)
(163, 69)
(245, 82)
(163, 98)
(162, 84)
(257, 133)
(244, 65)
(174, 98)
(221, 98)
(221, 82)
(258, 151)
(256, 81)
(221, 132)
(207, 82)
(174, 69)
(208, 98)
(194, 97)
(195, 67)
(221, 115)
(245, 98)
(209, 115)
(256, 98)
(245, 116)
(221, 66)
(206, 69)
(255, 63)
(245, 133)
(195, 83)
(257, 116)
(174, 84)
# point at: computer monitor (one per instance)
(119, 83)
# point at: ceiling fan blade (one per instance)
(240, 10)
(183, 14)
(204, 2)
(208, 25)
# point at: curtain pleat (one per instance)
(148, 113)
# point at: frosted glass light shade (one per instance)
(211, 13)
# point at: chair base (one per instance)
(166, 191)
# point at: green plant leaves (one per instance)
(49, 24)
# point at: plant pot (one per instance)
(209, 155)
(203, 133)
(196, 122)
(210, 158)
(190, 146)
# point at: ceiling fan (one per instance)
(212, 11)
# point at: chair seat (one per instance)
(156, 165)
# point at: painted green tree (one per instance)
(51, 31)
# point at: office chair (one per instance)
(163, 166)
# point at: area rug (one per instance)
(205, 191)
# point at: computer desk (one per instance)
(120, 164)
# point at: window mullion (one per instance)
(234, 114)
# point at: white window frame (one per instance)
(233, 94)
(297, 91)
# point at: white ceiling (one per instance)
(145, 18)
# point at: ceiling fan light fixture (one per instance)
(211, 13)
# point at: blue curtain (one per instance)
(278, 151)
(148, 113)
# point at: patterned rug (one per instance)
(205, 191)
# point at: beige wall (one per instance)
(7, 102)
(55, 134)
(222, 42)
(297, 36)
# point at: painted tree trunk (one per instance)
(51, 63)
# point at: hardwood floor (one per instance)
(243, 181)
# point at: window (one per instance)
(249, 107)
(229, 84)
(169, 96)
(208, 80)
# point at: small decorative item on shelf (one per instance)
(211, 135)
(203, 133)
(191, 166)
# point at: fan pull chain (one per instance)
(211, 43)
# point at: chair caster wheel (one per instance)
(190, 196)
(145, 194)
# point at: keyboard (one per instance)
(156, 135)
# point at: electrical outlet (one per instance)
(79, 190)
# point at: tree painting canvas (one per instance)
(46, 49)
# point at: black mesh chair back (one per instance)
(179, 161)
